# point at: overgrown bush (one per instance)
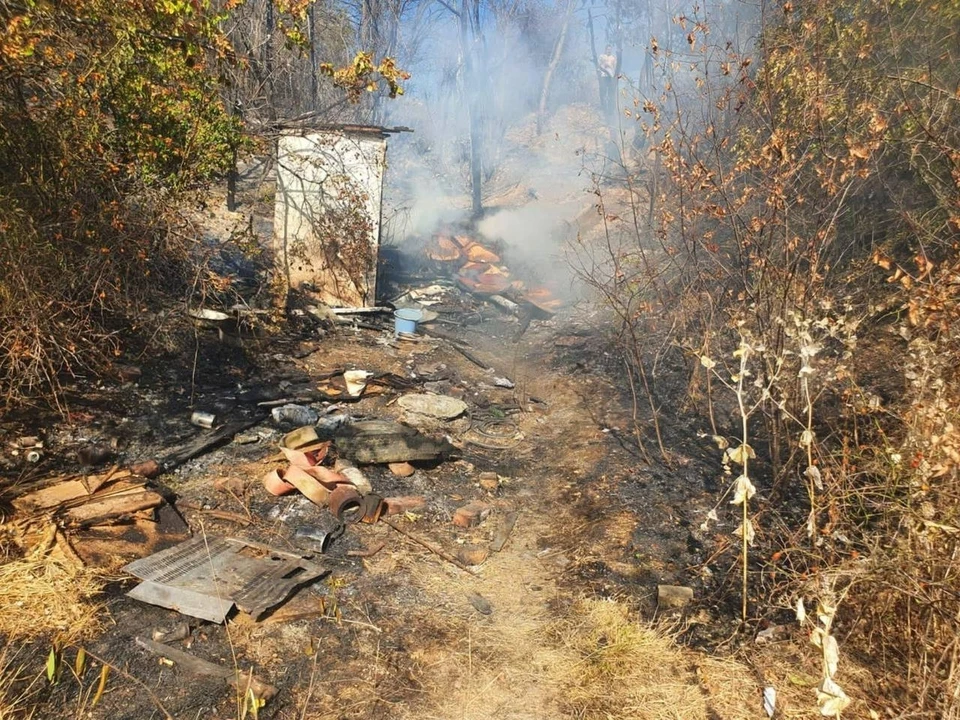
(108, 114)
(111, 116)
(799, 253)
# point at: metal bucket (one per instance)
(405, 320)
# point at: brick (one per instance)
(404, 503)
(402, 469)
(473, 554)
(471, 514)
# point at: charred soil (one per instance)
(402, 632)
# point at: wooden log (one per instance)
(113, 506)
(505, 304)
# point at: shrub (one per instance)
(108, 115)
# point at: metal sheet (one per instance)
(199, 576)
(187, 602)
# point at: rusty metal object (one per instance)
(372, 507)
(346, 504)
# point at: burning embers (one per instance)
(480, 270)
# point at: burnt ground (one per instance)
(399, 634)
(396, 635)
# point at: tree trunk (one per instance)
(552, 67)
(593, 52)
(232, 175)
(473, 105)
(270, 26)
(314, 80)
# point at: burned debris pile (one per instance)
(329, 468)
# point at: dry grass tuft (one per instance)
(621, 668)
(48, 597)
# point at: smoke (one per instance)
(535, 186)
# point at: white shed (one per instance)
(328, 211)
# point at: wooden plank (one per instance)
(52, 496)
(503, 534)
(66, 489)
(114, 506)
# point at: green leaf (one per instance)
(52, 662)
(80, 664)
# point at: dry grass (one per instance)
(47, 600)
(617, 667)
(18, 686)
(48, 597)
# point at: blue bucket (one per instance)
(405, 320)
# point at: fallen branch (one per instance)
(239, 680)
(369, 552)
(218, 514)
(359, 310)
(432, 548)
(471, 357)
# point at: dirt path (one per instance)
(504, 665)
(541, 652)
(497, 664)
